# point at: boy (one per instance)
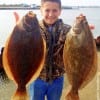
(53, 30)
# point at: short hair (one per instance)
(57, 1)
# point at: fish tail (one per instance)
(72, 95)
(20, 94)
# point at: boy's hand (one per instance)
(91, 26)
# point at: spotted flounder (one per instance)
(24, 54)
(80, 57)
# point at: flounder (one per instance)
(24, 54)
(80, 57)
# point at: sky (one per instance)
(64, 2)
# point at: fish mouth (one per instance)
(79, 23)
(29, 21)
(31, 14)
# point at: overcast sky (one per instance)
(64, 2)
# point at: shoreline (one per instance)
(36, 8)
(17, 8)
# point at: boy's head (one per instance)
(57, 1)
(51, 10)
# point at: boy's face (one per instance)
(50, 12)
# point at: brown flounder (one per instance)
(24, 54)
(80, 57)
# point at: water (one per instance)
(7, 20)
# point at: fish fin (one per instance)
(20, 94)
(72, 94)
(5, 61)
